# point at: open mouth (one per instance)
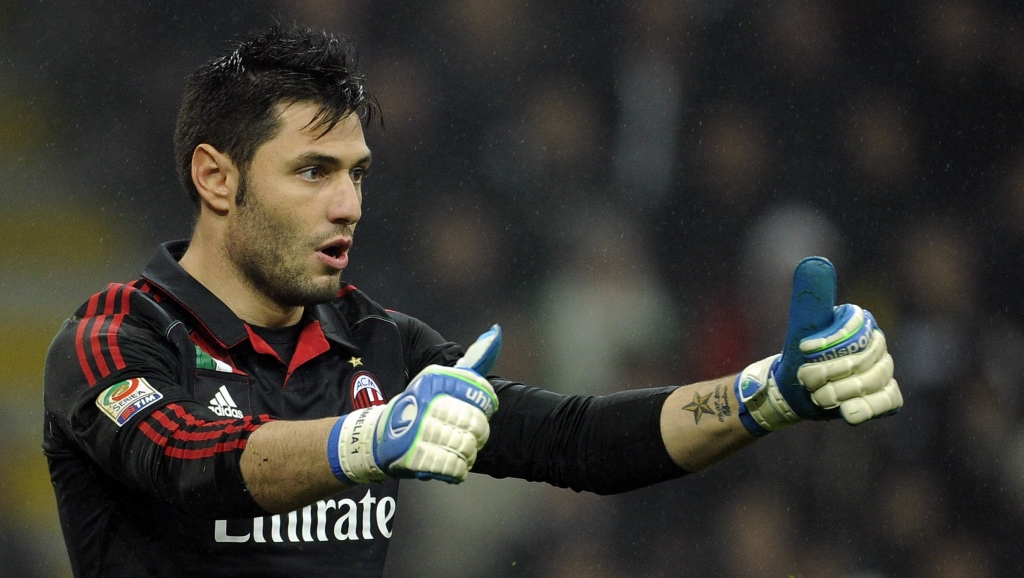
(335, 253)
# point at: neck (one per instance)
(209, 264)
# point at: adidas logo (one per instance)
(223, 405)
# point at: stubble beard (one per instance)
(271, 254)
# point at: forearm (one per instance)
(700, 424)
(285, 464)
(605, 444)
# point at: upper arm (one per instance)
(107, 369)
(116, 383)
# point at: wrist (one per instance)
(763, 408)
(746, 418)
(350, 447)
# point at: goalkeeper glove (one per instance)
(432, 430)
(834, 362)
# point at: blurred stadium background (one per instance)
(625, 186)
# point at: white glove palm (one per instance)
(851, 368)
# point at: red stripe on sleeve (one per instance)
(177, 444)
(204, 436)
(126, 299)
(97, 348)
(190, 454)
(111, 301)
(192, 420)
(83, 358)
(230, 427)
(93, 305)
(152, 434)
(115, 349)
(115, 306)
(115, 326)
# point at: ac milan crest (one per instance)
(365, 391)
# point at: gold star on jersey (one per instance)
(356, 361)
(699, 406)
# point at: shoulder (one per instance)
(109, 330)
(136, 301)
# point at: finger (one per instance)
(815, 375)
(812, 301)
(436, 462)
(440, 449)
(859, 410)
(868, 382)
(894, 393)
(452, 439)
(459, 416)
(810, 311)
(483, 354)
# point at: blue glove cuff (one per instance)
(332, 452)
(746, 419)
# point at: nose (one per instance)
(346, 202)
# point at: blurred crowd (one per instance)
(625, 187)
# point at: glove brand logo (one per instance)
(402, 416)
(850, 349)
(365, 391)
(479, 398)
(223, 405)
(749, 387)
(338, 519)
(849, 345)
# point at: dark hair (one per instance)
(231, 101)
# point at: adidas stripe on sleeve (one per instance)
(116, 380)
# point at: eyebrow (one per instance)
(328, 160)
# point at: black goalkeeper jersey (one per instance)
(153, 387)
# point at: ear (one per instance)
(215, 177)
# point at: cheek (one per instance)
(261, 231)
(278, 218)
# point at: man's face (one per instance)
(300, 202)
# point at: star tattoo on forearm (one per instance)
(699, 406)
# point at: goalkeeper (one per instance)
(241, 411)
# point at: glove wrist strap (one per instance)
(746, 419)
(762, 407)
(350, 447)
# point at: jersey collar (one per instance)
(164, 271)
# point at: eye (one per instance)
(358, 174)
(313, 173)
